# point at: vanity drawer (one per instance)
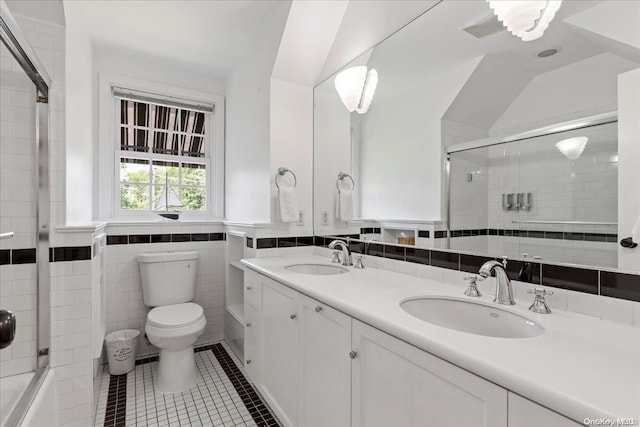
(251, 288)
(252, 325)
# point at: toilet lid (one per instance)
(175, 315)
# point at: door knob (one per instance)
(353, 354)
(292, 316)
(7, 328)
(318, 309)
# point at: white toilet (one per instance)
(175, 323)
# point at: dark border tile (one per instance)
(423, 234)
(472, 263)
(620, 285)
(377, 230)
(23, 256)
(250, 242)
(357, 247)
(572, 278)
(180, 237)
(118, 240)
(285, 242)
(304, 241)
(71, 253)
(417, 256)
(376, 249)
(200, 237)
(558, 235)
(535, 234)
(450, 260)
(216, 237)
(440, 234)
(595, 237)
(366, 230)
(266, 243)
(394, 252)
(5, 256)
(139, 238)
(515, 271)
(573, 236)
(160, 238)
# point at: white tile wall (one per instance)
(125, 307)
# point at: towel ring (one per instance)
(284, 171)
(342, 176)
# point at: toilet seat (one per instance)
(175, 315)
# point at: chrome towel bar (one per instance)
(8, 235)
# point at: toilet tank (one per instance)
(168, 277)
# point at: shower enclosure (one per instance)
(24, 220)
(553, 196)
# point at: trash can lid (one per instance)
(175, 315)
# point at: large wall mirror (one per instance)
(478, 141)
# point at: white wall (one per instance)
(247, 171)
(331, 155)
(79, 104)
(401, 162)
(291, 134)
(579, 90)
(628, 170)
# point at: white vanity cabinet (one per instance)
(324, 365)
(396, 384)
(279, 348)
(301, 364)
(525, 413)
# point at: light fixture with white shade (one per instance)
(572, 148)
(356, 87)
(527, 19)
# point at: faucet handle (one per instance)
(359, 265)
(504, 261)
(472, 290)
(336, 258)
(539, 304)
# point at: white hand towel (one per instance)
(635, 231)
(288, 209)
(345, 205)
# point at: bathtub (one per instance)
(28, 399)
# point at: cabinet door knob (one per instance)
(318, 309)
(353, 354)
(249, 288)
(248, 361)
(292, 316)
(248, 324)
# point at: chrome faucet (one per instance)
(346, 253)
(504, 290)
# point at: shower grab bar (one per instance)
(566, 222)
(8, 235)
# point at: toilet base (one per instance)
(177, 371)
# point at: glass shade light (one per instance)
(356, 87)
(572, 148)
(527, 19)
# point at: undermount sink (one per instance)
(472, 317)
(316, 269)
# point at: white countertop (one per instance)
(581, 367)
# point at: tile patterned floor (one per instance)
(223, 396)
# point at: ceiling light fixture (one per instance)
(527, 19)
(572, 148)
(356, 87)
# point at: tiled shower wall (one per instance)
(18, 213)
(581, 190)
(125, 306)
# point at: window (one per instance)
(163, 154)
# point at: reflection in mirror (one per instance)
(454, 80)
(529, 199)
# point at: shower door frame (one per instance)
(16, 42)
